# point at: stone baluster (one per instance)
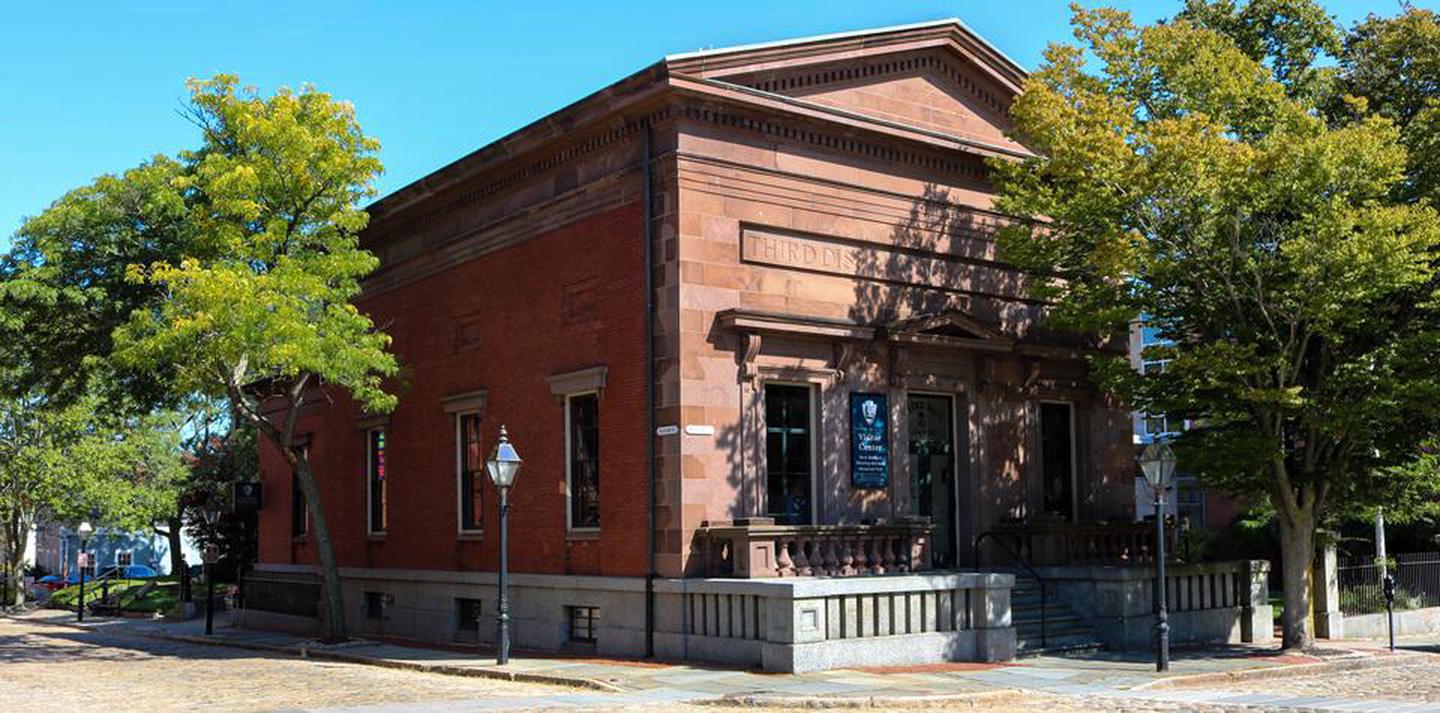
(902, 555)
(827, 563)
(887, 550)
(802, 559)
(875, 558)
(784, 566)
(847, 556)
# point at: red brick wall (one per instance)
(569, 299)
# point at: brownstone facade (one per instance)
(820, 226)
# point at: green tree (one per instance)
(217, 459)
(64, 461)
(266, 320)
(63, 286)
(1393, 64)
(1182, 178)
(1290, 37)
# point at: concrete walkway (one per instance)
(617, 683)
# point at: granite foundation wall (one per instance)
(789, 625)
(1207, 603)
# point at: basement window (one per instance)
(583, 622)
(467, 618)
(374, 605)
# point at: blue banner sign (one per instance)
(869, 441)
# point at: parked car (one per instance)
(49, 583)
(130, 571)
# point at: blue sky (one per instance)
(93, 87)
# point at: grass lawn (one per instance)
(1277, 603)
(162, 598)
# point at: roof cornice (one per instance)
(701, 73)
(638, 88)
(714, 88)
(810, 50)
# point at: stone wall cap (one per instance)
(813, 587)
(1146, 570)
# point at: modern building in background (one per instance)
(743, 317)
(1188, 500)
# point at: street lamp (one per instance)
(212, 516)
(85, 531)
(1157, 462)
(503, 465)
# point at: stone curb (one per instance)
(974, 699)
(307, 652)
(1357, 663)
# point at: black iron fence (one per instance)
(1417, 582)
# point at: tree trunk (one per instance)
(17, 531)
(330, 571)
(1297, 557)
(177, 546)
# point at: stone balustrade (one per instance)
(1207, 602)
(757, 547)
(1062, 544)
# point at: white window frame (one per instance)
(128, 553)
(370, 530)
(1074, 455)
(570, 460)
(460, 472)
(813, 389)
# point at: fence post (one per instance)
(1256, 614)
(1325, 593)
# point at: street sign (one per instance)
(84, 559)
(210, 554)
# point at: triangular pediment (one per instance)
(935, 77)
(950, 324)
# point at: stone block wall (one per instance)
(1207, 603)
(789, 625)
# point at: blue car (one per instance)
(139, 571)
(129, 571)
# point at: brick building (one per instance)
(742, 315)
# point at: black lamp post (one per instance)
(85, 531)
(1157, 462)
(212, 516)
(503, 465)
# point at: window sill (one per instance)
(300, 540)
(470, 535)
(592, 533)
(375, 536)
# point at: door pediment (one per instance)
(951, 327)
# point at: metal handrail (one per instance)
(995, 538)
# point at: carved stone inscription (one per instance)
(835, 257)
(806, 253)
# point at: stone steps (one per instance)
(1065, 631)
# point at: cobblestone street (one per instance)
(1414, 681)
(48, 667)
(51, 668)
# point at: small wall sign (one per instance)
(247, 496)
(869, 440)
(667, 430)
